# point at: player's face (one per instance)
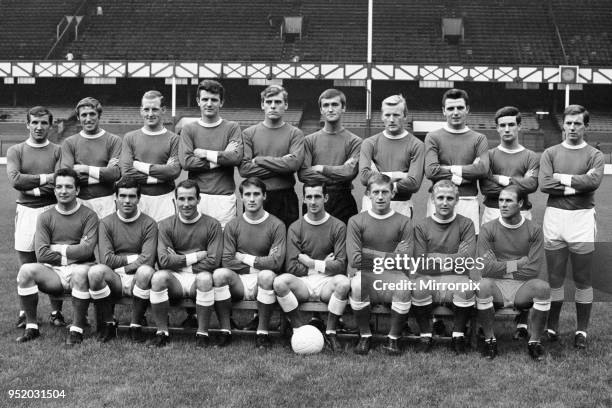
(394, 118)
(89, 119)
(574, 128)
(127, 202)
(252, 198)
(455, 111)
(209, 104)
(274, 107)
(65, 190)
(187, 202)
(509, 206)
(508, 129)
(380, 195)
(445, 201)
(152, 112)
(39, 128)
(315, 200)
(332, 109)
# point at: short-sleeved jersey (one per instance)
(444, 239)
(445, 148)
(218, 180)
(584, 163)
(96, 151)
(317, 240)
(186, 237)
(25, 162)
(278, 154)
(499, 244)
(155, 148)
(404, 153)
(78, 229)
(264, 238)
(368, 230)
(514, 164)
(338, 153)
(119, 238)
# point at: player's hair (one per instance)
(395, 100)
(153, 94)
(508, 111)
(212, 86)
(89, 102)
(39, 111)
(127, 182)
(252, 181)
(577, 110)
(378, 178)
(68, 172)
(455, 93)
(332, 93)
(445, 184)
(313, 184)
(274, 90)
(188, 184)
(514, 190)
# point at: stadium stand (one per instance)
(27, 29)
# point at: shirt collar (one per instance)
(148, 132)
(37, 146)
(258, 221)
(441, 221)
(210, 125)
(519, 149)
(501, 221)
(574, 147)
(128, 220)
(192, 221)
(395, 137)
(381, 217)
(97, 135)
(456, 131)
(319, 222)
(70, 212)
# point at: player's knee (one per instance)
(464, 294)
(26, 273)
(541, 289)
(204, 281)
(583, 279)
(221, 277)
(79, 278)
(485, 288)
(265, 279)
(96, 274)
(281, 283)
(159, 281)
(356, 287)
(402, 296)
(342, 286)
(143, 275)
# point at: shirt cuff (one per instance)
(504, 180)
(212, 156)
(397, 174)
(213, 165)
(132, 258)
(43, 179)
(191, 258)
(249, 260)
(566, 179)
(94, 172)
(152, 180)
(187, 269)
(456, 179)
(120, 270)
(253, 270)
(387, 173)
(36, 192)
(569, 191)
(91, 180)
(319, 266)
(511, 266)
(456, 170)
(64, 261)
(142, 167)
(312, 271)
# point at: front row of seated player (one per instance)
(191, 247)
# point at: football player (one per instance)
(253, 255)
(127, 241)
(189, 250)
(66, 236)
(380, 232)
(510, 164)
(331, 156)
(447, 243)
(273, 152)
(150, 156)
(209, 149)
(457, 153)
(316, 264)
(570, 172)
(511, 249)
(396, 153)
(30, 166)
(94, 154)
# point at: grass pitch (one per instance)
(123, 374)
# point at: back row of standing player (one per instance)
(274, 150)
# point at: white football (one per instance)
(307, 340)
